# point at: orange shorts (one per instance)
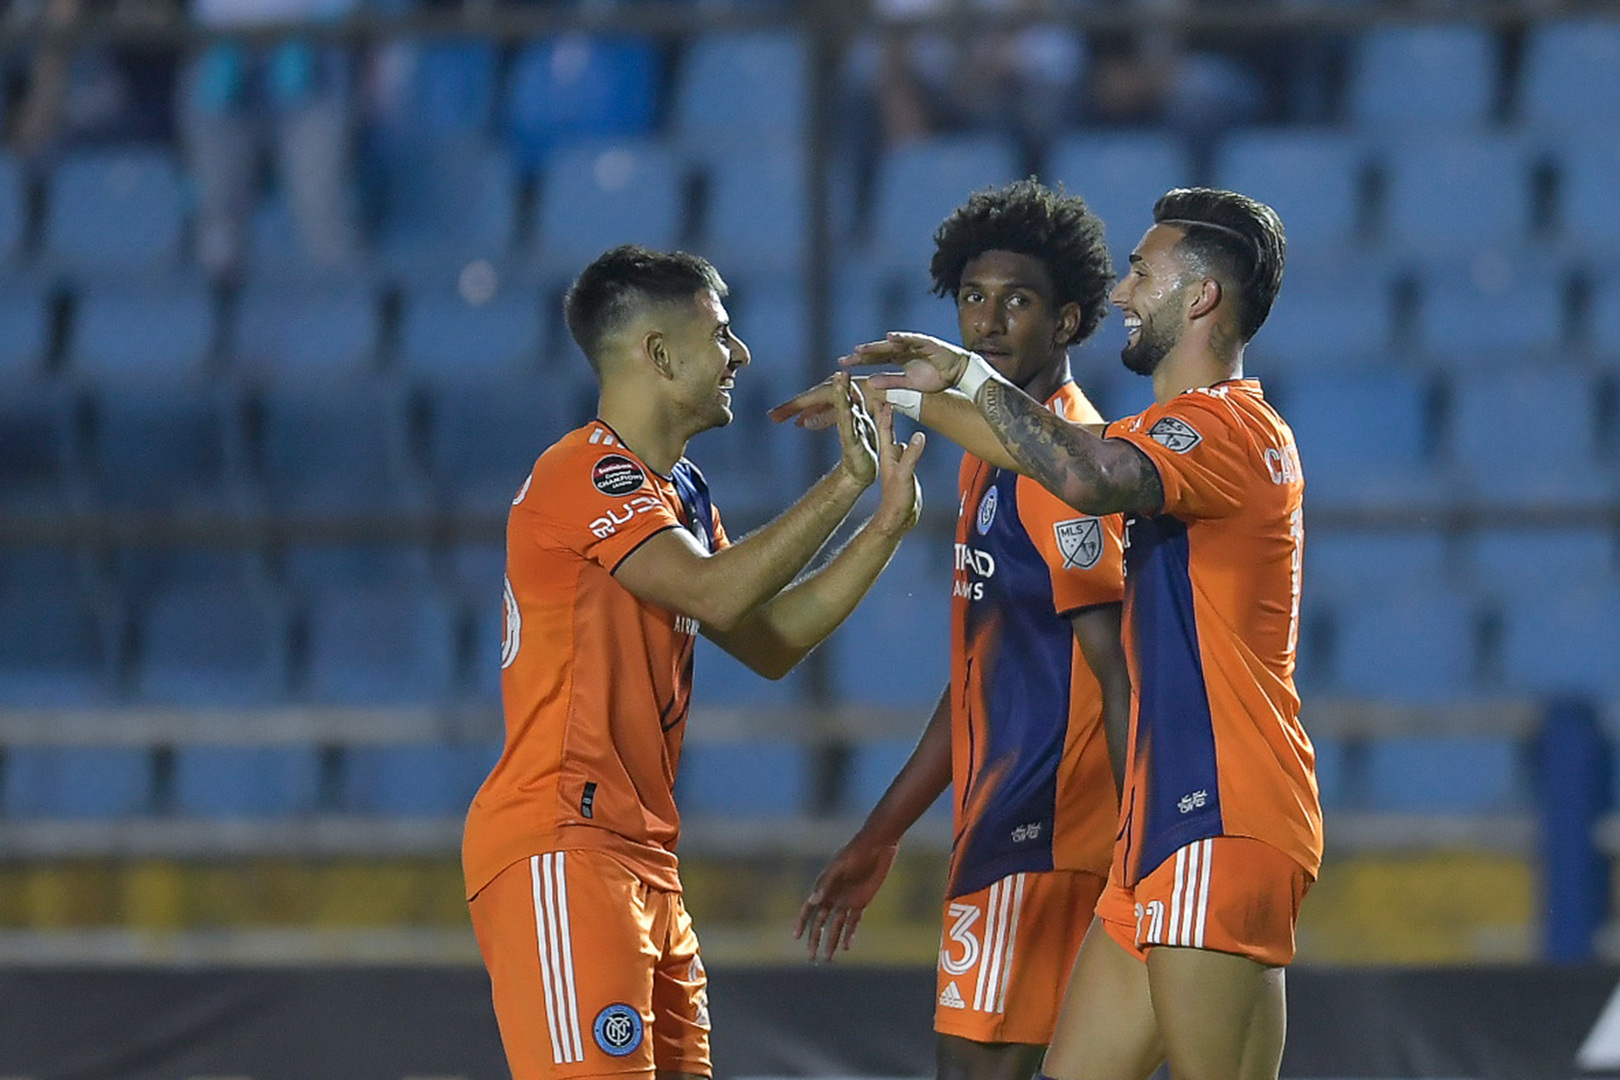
(1005, 955)
(593, 973)
(1228, 894)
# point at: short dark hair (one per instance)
(626, 279)
(1028, 218)
(1239, 237)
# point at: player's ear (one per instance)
(656, 350)
(1068, 324)
(1203, 299)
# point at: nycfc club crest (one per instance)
(617, 1030)
(1081, 541)
(1175, 434)
(616, 474)
(987, 511)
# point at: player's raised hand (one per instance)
(816, 408)
(926, 363)
(848, 882)
(857, 434)
(901, 503)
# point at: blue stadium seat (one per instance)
(1363, 438)
(1588, 199)
(446, 340)
(234, 782)
(1411, 647)
(169, 450)
(1445, 194)
(483, 442)
(308, 566)
(142, 335)
(594, 196)
(392, 644)
(294, 335)
(13, 209)
(56, 650)
(1335, 773)
(1365, 562)
(1563, 465)
(77, 783)
(1120, 175)
(140, 571)
(917, 184)
(25, 330)
(1434, 76)
(322, 453)
(759, 778)
(415, 780)
(758, 212)
(441, 90)
(212, 644)
(736, 86)
(771, 313)
(1458, 774)
(1492, 309)
(115, 211)
(1515, 563)
(1563, 641)
(446, 205)
(1605, 316)
(872, 766)
(1566, 76)
(475, 569)
(1355, 297)
(1311, 177)
(485, 614)
(722, 682)
(38, 464)
(565, 89)
(910, 603)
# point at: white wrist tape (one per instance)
(906, 401)
(976, 374)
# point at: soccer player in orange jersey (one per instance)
(616, 558)
(1220, 827)
(1036, 665)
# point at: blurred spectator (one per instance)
(72, 94)
(293, 96)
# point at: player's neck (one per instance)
(1045, 382)
(641, 428)
(1185, 368)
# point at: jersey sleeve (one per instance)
(597, 501)
(1201, 451)
(1084, 553)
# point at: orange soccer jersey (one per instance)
(1211, 623)
(595, 682)
(1030, 767)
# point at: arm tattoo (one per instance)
(1088, 473)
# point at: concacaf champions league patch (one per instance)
(616, 474)
(617, 1030)
(1081, 541)
(1175, 434)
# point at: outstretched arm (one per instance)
(853, 875)
(776, 636)
(948, 413)
(722, 589)
(1096, 475)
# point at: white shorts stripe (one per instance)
(1011, 951)
(1203, 894)
(570, 1019)
(991, 911)
(542, 937)
(995, 960)
(1190, 897)
(1175, 897)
